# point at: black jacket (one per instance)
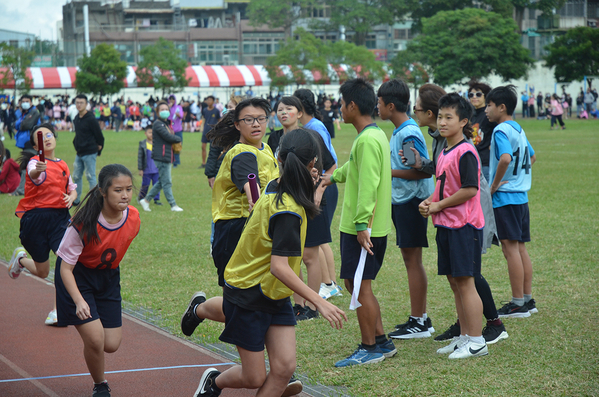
(215, 158)
(163, 137)
(88, 135)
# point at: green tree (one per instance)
(469, 43)
(277, 14)
(574, 55)
(15, 60)
(162, 67)
(361, 61)
(101, 73)
(406, 67)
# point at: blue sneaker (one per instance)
(362, 356)
(388, 348)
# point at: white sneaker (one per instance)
(52, 318)
(145, 205)
(337, 291)
(14, 266)
(455, 344)
(470, 349)
(176, 208)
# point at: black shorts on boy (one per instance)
(42, 230)
(459, 251)
(513, 222)
(410, 225)
(350, 255)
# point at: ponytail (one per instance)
(309, 106)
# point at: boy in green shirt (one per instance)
(367, 175)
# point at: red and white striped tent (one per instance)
(200, 76)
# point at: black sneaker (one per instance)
(156, 202)
(512, 310)
(190, 321)
(452, 332)
(298, 310)
(308, 314)
(494, 333)
(531, 305)
(101, 390)
(293, 388)
(205, 388)
(413, 330)
(429, 325)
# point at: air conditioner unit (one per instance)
(592, 24)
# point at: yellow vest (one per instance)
(228, 202)
(250, 263)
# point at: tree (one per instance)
(574, 55)
(361, 61)
(276, 14)
(101, 73)
(16, 60)
(162, 67)
(410, 70)
(469, 44)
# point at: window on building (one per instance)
(572, 8)
(371, 41)
(532, 14)
(532, 45)
(401, 34)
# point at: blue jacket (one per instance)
(22, 137)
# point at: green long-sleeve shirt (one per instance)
(367, 176)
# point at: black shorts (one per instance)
(226, 236)
(513, 222)
(247, 328)
(42, 230)
(350, 256)
(331, 195)
(459, 251)
(68, 119)
(101, 289)
(318, 230)
(410, 226)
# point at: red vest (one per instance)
(113, 244)
(49, 193)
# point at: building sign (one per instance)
(42, 61)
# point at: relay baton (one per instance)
(253, 187)
(40, 146)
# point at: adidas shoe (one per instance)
(14, 266)
(429, 325)
(293, 388)
(470, 349)
(455, 344)
(205, 388)
(361, 357)
(452, 332)
(413, 330)
(101, 390)
(190, 320)
(328, 291)
(531, 305)
(512, 310)
(494, 333)
(388, 348)
(52, 318)
(308, 314)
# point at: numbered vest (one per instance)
(113, 244)
(448, 183)
(518, 174)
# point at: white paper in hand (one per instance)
(354, 304)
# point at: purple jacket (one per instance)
(176, 123)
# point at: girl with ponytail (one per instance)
(44, 210)
(87, 275)
(261, 276)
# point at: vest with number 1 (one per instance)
(518, 173)
(109, 251)
(448, 183)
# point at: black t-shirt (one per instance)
(328, 115)
(484, 127)
(241, 166)
(273, 140)
(469, 170)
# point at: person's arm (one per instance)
(459, 197)
(141, 152)
(410, 174)
(503, 153)
(242, 165)
(161, 129)
(39, 168)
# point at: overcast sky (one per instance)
(31, 16)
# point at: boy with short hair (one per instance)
(146, 166)
(409, 188)
(458, 216)
(512, 157)
(367, 175)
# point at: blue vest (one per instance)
(518, 173)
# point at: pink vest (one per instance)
(448, 183)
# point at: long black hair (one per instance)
(86, 217)
(297, 149)
(307, 98)
(26, 155)
(224, 134)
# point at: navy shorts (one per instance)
(101, 289)
(513, 222)
(459, 251)
(247, 328)
(410, 226)
(204, 138)
(318, 230)
(226, 236)
(42, 230)
(350, 256)
(331, 195)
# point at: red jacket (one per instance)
(10, 177)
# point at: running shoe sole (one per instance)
(503, 335)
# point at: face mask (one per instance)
(25, 105)
(164, 114)
(42, 101)
(225, 110)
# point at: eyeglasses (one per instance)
(48, 135)
(251, 120)
(475, 94)
(417, 110)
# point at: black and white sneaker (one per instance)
(293, 388)
(101, 390)
(531, 305)
(207, 387)
(413, 330)
(308, 314)
(512, 310)
(429, 325)
(494, 333)
(452, 332)
(190, 321)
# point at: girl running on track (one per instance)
(88, 290)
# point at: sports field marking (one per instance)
(24, 373)
(17, 369)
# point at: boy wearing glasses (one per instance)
(409, 188)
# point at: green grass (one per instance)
(552, 353)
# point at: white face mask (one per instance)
(25, 105)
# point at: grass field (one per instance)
(552, 353)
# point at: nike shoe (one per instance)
(512, 310)
(455, 344)
(52, 318)
(531, 305)
(190, 321)
(101, 390)
(470, 349)
(413, 330)
(494, 333)
(205, 388)
(362, 357)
